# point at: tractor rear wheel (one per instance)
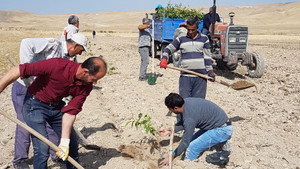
(256, 70)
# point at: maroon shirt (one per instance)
(55, 79)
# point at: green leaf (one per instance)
(127, 123)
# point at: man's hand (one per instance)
(164, 132)
(163, 63)
(212, 76)
(64, 146)
(165, 161)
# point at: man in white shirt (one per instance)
(72, 28)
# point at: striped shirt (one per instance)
(195, 53)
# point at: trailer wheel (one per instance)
(257, 68)
(156, 48)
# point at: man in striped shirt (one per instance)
(195, 56)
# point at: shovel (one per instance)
(152, 77)
(38, 135)
(239, 85)
(84, 142)
(171, 146)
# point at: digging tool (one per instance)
(38, 135)
(84, 142)
(237, 85)
(171, 146)
(152, 77)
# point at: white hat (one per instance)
(80, 40)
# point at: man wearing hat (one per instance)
(55, 78)
(33, 50)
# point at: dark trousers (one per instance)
(192, 87)
(36, 114)
(22, 136)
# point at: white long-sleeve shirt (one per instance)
(36, 49)
(70, 29)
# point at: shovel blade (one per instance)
(240, 85)
(151, 79)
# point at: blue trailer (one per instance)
(164, 31)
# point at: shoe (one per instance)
(142, 79)
(218, 158)
(21, 165)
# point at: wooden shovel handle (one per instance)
(199, 74)
(171, 146)
(38, 135)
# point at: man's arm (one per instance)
(207, 56)
(9, 77)
(218, 17)
(171, 48)
(143, 27)
(189, 129)
(67, 123)
(206, 21)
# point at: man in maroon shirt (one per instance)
(55, 79)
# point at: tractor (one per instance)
(229, 45)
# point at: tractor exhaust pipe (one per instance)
(213, 20)
(231, 15)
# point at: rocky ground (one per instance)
(266, 120)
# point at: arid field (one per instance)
(266, 121)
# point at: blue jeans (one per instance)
(144, 53)
(22, 136)
(36, 114)
(192, 87)
(203, 140)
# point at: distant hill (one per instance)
(8, 16)
(279, 18)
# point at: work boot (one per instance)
(21, 165)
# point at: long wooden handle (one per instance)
(38, 135)
(171, 146)
(199, 74)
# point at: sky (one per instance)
(92, 6)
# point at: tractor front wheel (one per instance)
(257, 67)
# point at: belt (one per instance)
(49, 104)
(227, 123)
